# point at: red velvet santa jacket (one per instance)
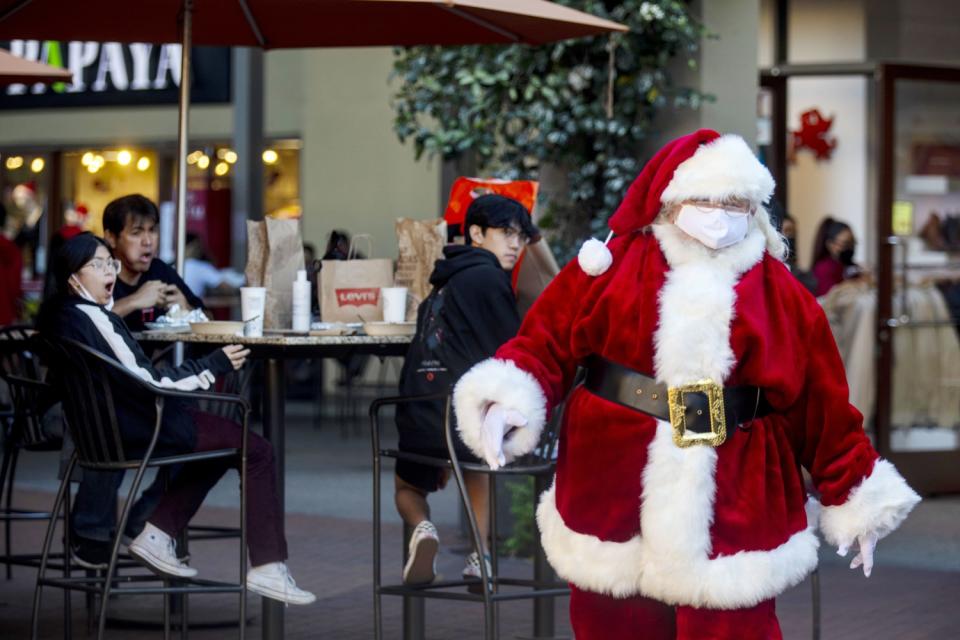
(632, 513)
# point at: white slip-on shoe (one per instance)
(421, 567)
(155, 549)
(471, 571)
(273, 580)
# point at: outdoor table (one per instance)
(273, 350)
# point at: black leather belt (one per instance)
(700, 413)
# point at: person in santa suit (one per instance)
(678, 509)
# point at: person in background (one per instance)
(86, 277)
(312, 265)
(338, 246)
(833, 250)
(146, 286)
(74, 220)
(470, 312)
(11, 265)
(200, 274)
(788, 230)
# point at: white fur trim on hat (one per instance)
(877, 505)
(503, 382)
(723, 168)
(594, 257)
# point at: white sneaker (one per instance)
(471, 570)
(155, 548)
(273, 580)
(421, 567)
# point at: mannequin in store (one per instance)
(678, 510)
(833, 250)
(146, 286)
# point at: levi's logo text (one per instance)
(357, 297)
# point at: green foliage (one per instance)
(523, 537)
(519, 107)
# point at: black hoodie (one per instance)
(470, 312)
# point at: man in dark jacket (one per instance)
(471, 311)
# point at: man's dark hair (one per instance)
(499, 212)
(135, 206)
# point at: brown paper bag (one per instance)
(349, 290)
(535, 271)
(420, 244)
(274, 254)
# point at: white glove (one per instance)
(496, 423)
(867, 543)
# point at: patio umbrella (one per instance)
(15, 69)
(273, 24)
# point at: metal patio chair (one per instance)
(89, 406)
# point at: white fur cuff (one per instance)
(499, 381)
(878, 505)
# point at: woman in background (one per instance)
(833, 251)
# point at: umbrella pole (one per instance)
(183, 132)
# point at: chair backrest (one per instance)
(16, 352)
(86, 379)
(28, 398)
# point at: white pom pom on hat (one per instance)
(594, 257)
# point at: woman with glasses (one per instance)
(85, 274)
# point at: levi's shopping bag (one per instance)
(349, 290)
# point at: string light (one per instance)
(203, 161)
(124, 157)
(143, 163)
(270, 156)
(221, 169)
(37, 165)
(14, 162)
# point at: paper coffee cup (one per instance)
(394, 303)
(253, 302)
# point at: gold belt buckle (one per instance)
(718, 420)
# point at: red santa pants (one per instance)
(599, 617)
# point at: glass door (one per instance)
(918, 305)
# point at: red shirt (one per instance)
(11, 263)
(829, 272)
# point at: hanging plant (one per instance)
(583, 107)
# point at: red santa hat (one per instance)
(701, 165)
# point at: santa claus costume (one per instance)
(659, 539)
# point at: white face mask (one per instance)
(83, 293)
(715, 227)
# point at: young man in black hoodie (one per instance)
(471, 311)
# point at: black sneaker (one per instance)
(90, 554)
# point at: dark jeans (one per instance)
(186, 492)
(94, 513)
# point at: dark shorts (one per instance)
(425, 477)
